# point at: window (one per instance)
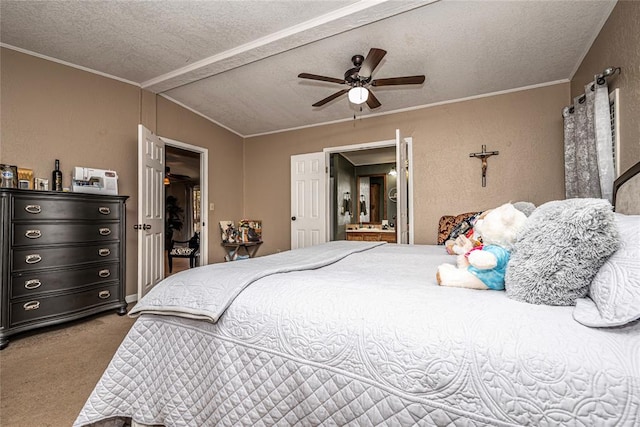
(615, 129)
(196, 208)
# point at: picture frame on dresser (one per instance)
(62, 258)
(25, 178)
(41, 184)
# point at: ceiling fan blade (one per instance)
(178, 176)
(321, 78)
(371, 62)
(372, 101)
(409, 80)
(330, 98)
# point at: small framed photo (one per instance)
(229, 232)
(250, 230)
(25, 178)
(41, 184)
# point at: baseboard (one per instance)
(131, 298)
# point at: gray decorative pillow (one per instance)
(615, 291)
(559, 251)
(525, 207)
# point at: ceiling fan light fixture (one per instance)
(358, 95)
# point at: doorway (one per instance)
(185, 203)
(363, 186)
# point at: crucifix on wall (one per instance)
(484, 155)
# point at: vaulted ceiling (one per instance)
(236, 62)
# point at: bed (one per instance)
(359, 333)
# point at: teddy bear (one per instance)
(459, 246)
(484, 267)
(467, 239)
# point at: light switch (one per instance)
(211, 206)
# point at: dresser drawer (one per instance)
(51, 208)
(29, 310)
(36, 258)
(39, 282)
(47, 234)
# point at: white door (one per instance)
(402, 166)
(308, 200)
(150, 210)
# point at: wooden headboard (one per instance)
(626, 191)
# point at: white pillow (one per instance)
(615, 291)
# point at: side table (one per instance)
(233, 249)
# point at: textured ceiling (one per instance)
(236, 62)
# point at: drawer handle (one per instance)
(33, 209)
(33, 234)
(33, 284)
(32, 259)
(104, 210)
(31, 305)
(104, 273)
(104, 252)
(104, 294)
(104, 231)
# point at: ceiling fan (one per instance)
(173, 177)
(359, 78)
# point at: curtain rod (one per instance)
(600, 79)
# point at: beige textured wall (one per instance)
(618, 45)
(525, 126)
(225, 164)
(50, 111)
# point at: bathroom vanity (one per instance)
(371, 234)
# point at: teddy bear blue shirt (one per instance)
(493, 277)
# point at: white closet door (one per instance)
(308, 200)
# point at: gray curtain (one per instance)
(588, 152)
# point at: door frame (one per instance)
(203, 258)
(367, 146)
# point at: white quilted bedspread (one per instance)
(205, 293)
(371, 340)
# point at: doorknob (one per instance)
(293, 218)
(146, 227)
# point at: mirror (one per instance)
(374, 171)
(372, 190)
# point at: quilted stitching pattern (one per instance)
(206, 292)
(615, 291)
(223, 383)
(393, 350)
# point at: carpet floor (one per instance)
(46, 375)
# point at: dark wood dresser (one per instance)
(63, 258)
